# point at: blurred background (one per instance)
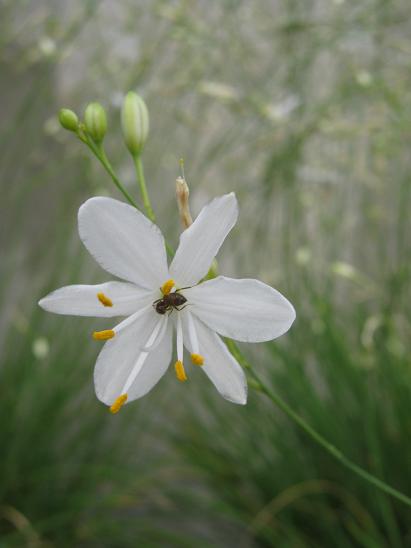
(303, 108)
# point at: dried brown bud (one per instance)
(182, 192)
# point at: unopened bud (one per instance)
(68, 119)
(183, 192)
(96, 121)
(135, 122)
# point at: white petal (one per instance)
(200, 243)
(119, 355)
(244, 310)
(82, 300)
(123, 241)
(154, 367)
(220, 366)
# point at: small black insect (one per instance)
(169, 302)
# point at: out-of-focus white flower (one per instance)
(158, 299)
(40, 348)
(219, 90)
(364, 78)
(302, 256)
(276, 112)
(47, 46)
(51, 126)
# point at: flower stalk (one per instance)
(143, 188)
(313, 434)
(100, 154)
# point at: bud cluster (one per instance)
(134, 123)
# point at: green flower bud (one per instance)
(135, 122)
(68, 119)
(96, 121)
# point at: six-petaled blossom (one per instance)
(158, 299)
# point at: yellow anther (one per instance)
(118, 404)
(103, 335)
(105, 301)
(197, 359)
(167, 287)
(180, 372)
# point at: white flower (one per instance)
(157, 298)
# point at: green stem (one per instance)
(101, 155)
(146, 199)
(105, 162)
(143, 188)
(329, 447)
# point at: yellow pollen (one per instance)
(197, 359)
(167, 287)
(103, 335)
(105, 301)
(180, 372)
(118, 404)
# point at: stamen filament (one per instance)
(192, 332)
(196, 357)
(180, 343)
(179, 367)
(105, 301)
(103, 335)
(167, 287)
(125, 323)
(118, 404)
(143, 356)
(110, 333)
(159, 336)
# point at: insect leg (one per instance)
(185, 306)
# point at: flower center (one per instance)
(171, 300)
(167, 287)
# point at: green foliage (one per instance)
(303, 109)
